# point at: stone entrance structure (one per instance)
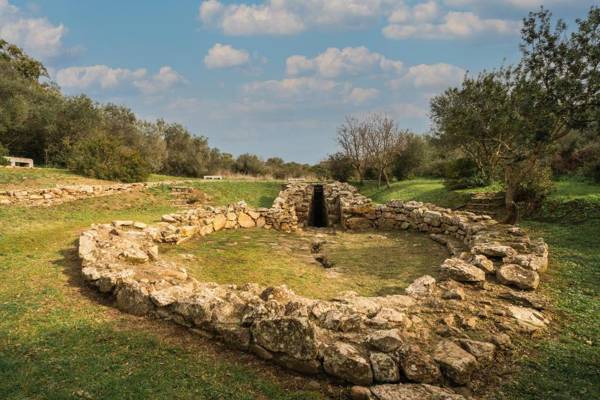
(317, 215)
(321, 204)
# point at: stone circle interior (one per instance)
(434, 341)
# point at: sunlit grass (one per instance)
(371, 265)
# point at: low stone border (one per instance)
(424, 344)
(62, 194)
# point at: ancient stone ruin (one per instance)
(65, 193)
(435, 341)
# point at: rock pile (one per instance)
(63, 194)
(418, 345)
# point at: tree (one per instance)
(3, 154)
(412, 156)
(339, 167)
(516, 116)
(352, 137)
(478, 118)
(249, 164)
(555, 89)
(105, 157)
(382, 141)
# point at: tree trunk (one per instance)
(387, 180)
(379, 179)
(511, 182)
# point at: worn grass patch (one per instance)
(370, 264)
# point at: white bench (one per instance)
(20, 162)
(213, 177)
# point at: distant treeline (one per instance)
(105, 140)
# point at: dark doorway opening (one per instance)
(317, 215)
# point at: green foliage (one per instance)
(476, 118)
(249, 164)
(339, 167)
(104, 157)
(3, 153)
(536, 188)
(463, 173)
(412, 157)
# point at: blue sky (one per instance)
(271, 77)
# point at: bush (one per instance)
(590, 162)
(535, 189)
(104, 157)
(339, 167)
(410, 158)
(3, 153)
(462, 173)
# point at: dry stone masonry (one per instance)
(63, 194)
(435, 341)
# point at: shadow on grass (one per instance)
(129, 357)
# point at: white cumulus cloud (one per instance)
(427, 21)
(430, 76)
(362, 95)
(37, 36)
(225, 56)
(104, 77)
(286, 17)
(335, 62)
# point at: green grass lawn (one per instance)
(565, 363)
(60, 340)
(371, 265)
(421, 189)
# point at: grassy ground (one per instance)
(37, 178)
(369, 264)
(59, 340)
(422, 189)
(564, 364)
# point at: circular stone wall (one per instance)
(439, 335)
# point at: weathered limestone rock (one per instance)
(493, 250)
(528, 318)
(418, 366)
(483, 351)
(512, 274)
(219, 222)
(421, 287)
(246, 221)
(346, 362)
(456, 363)
(385, 340)
(292, 336)
(135, 255)
(459, 270)
(456, 293)
(481, 261)
(133, 298)
(385, 368)
(413, 392)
